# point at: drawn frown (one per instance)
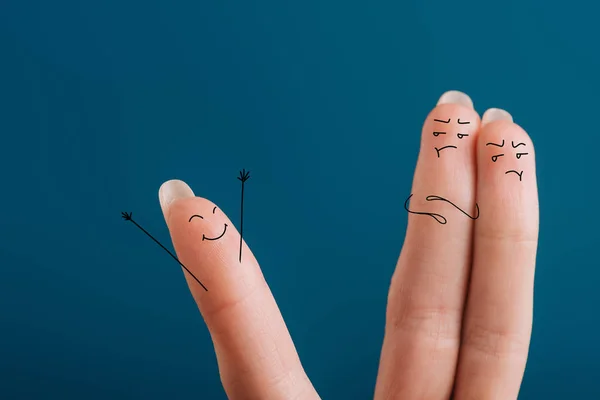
(517, 153)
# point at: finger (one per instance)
(426, 297)
(256, 356)
(498, 319)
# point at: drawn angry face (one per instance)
(449, 134)
(512, 153)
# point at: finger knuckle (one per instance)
(231, 304)
(434, 320)
(494, 340)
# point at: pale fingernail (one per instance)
(171, 191)
(495, 114)
(455, 97)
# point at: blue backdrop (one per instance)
(323, 101)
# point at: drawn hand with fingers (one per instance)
(459, 308)
(244, 176)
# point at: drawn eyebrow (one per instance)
(515, 146)
(195, 215)
(494, 144)
(463, 123)
(214, 209)
(441, 120)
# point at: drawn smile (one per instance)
(516, 172)
(218, 237)
(442, 148)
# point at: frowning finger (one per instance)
(498, 317)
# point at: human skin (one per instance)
(460, 303)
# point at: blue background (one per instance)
(323, 101)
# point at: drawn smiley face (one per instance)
(204, 237)
(443, 130)
(517, 153)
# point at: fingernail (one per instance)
(495, 114)
(171, 191)
(455, 97)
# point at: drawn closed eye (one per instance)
(436, 134)
(462, 135)
(196, 215)
(521, 154)
(495, 158)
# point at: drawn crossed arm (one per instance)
(438, 217)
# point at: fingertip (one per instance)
(495, 114)
(455, 97)
(171, 191)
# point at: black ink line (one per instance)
(436, 134)
(442, 220)
(218, 237)
(515, 146)
(244, 176)
(519, 155)
(196, 215)
(127, 217)
(214, 209)
(495, 158)
(494, 144)
(442, 148)
(463, 123)
(516, 172)
(441, 120)
(440, 198)
(462, 135)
